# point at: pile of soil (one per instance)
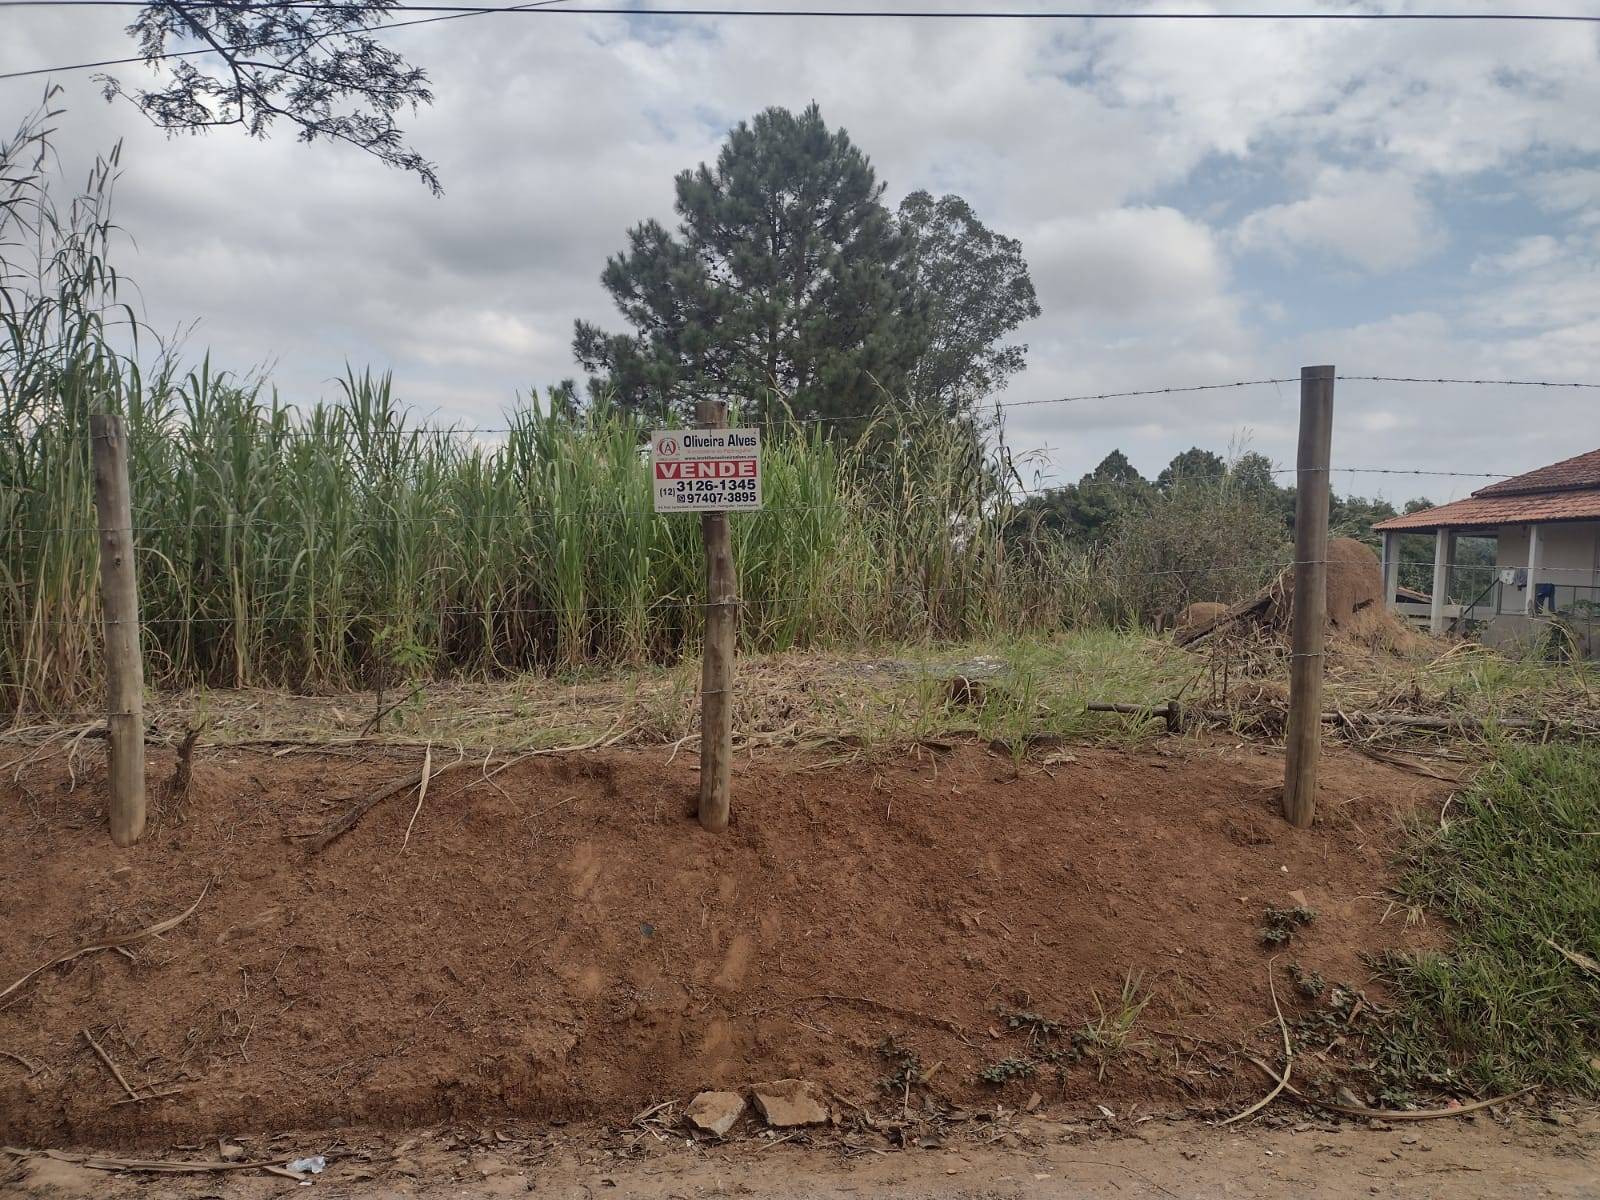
(1356, 583)
(561, 939)
(1355, 605)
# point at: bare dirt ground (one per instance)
(1033, 1156)
(561, 940)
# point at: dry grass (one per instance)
(1018, 693)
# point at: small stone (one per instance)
(1033, 1102)
(1410, 1139)
(788, 1103)
(1348, 1098)
(230, 1151)
(715, 1112)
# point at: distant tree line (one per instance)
(1113, 497)
(1085, 512)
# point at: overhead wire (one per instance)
(449, 12)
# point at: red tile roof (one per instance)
(1565, 491)
(1579, 473)
(1480, 511)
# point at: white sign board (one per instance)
(706, 470)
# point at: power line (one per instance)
(546, 8)
(141, 58)
(897, 14)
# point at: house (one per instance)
(1546, 529)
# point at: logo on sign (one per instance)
(668, 446)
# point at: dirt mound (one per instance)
(1199, 613)
(560, 939)
(1355, 605)
(1355, 583)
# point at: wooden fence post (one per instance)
(119, 602)
(716, 674)
(1303, 735)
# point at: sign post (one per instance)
(714, 471)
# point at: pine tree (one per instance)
(779, 290)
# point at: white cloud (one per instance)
(1526, 254)
(1125, 262)
(1375, 220)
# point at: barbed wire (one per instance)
(1543, 383)
(459, 519)
(1541, 569)
(654, 607)
(669, 603)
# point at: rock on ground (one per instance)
(715, 1112)
(787, 1103)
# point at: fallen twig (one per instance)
(351, 816)
(110, 1065)
(97, 1162)
(376, 718)
(33, 1067)
(1288, 1058)
(158, 1094)
(1391, 1114)
(1576, 957)
(155, 930)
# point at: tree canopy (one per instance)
(317, 67)
(967, 288)
(1085, 512)
(789, 286)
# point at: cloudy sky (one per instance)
(1199, 202)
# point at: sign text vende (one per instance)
(737, 468)
(706, 470)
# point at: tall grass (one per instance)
(341, 542)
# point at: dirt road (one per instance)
(1455, 1160)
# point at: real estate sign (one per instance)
(706, 470)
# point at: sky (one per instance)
(1198, 202)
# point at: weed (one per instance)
(1007, 1069)
(1109, 1036)
(1282, 922)
(1040, 1029)
(907, 1063)
(1351, 1028)
(1045, 1044)
(1310, 984)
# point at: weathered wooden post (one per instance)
(716, 671)
(1303, 741)
(119, 602)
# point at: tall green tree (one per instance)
(968, 288)
(1084, 512)
(779, 286)
(1195, 465)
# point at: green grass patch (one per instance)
(1516, 868)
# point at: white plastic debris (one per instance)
(307, 1166)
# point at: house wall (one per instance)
(1569, 551)
(1569, 555)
